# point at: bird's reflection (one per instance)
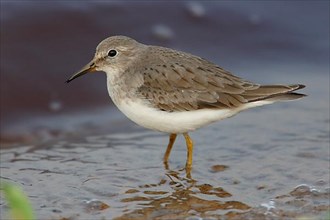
(178, 196)
(187, 170)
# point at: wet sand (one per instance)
(80, 162)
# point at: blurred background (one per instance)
(71, 149)
(45, 42)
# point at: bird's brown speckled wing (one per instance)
(186, 82)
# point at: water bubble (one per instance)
(301, 190)
(269, 206)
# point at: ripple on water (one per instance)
(121, 176)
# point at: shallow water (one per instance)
(77, 159)
(271, 162)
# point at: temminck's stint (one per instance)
(175, 92)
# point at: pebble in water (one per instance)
(95, 205)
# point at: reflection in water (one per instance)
(186, 198)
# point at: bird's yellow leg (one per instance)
(169, 147)
(190, 146)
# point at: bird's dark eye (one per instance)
(112, 53)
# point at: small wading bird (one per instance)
(175, 92)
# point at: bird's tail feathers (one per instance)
(274, 93)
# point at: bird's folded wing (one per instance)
(185, 83)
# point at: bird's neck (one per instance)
(122, 86)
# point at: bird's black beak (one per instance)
(90, 67)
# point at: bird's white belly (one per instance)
(171, 122)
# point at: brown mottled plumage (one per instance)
(177, 81)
